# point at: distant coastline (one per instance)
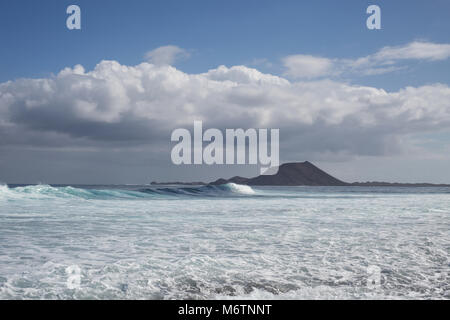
(300, 174)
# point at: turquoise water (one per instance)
(231, 241)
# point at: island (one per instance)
(300, 174)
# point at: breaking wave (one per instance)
(47, 191)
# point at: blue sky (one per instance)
(98, 105)
(36, 42)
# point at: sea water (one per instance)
(228, 242)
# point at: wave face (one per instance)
(47, 191)
(229, 241)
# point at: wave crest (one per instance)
(46, 191)
(240, 188)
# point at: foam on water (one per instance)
(232, 242)
(238, 188)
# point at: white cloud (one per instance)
(166, 55)
(305, 66)
(242, 74)
(414, 50)
(131, 105)
(383, 61)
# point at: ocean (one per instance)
(224, 242)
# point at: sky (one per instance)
(98, 105)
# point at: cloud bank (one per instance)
(119, 106)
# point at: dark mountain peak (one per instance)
(291, 165)
(290, 174)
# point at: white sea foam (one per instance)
(289, 243)
(239, 188)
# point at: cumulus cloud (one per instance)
(122, 106)
(243, 75)
(305, 66)
(166, 55)
(383, 61)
